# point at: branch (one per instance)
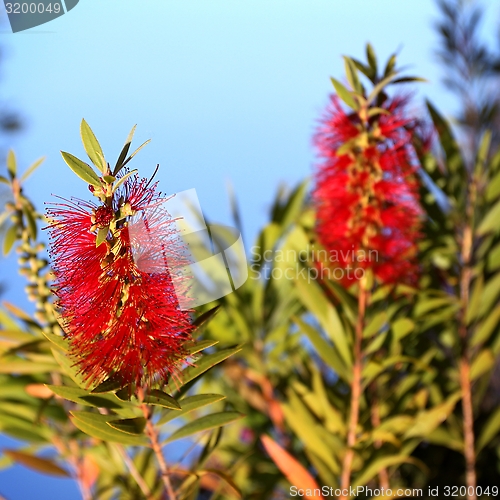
(152, 434)
(355, 390)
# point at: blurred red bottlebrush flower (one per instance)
(117, 299)
(366, 193)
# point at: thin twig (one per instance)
(355, 390)
(152, 434)
(135, 473)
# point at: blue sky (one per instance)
(227, 91)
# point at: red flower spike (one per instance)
(118, 302)
(366, 194)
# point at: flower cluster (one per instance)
(366, 192)
(115, 264)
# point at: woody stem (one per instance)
(355, 390)
(153, 436)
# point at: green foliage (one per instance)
(45, 402)
(298, 347)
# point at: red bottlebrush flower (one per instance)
(366, 193)
(117, 300)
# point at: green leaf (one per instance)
(160, 398)
(367, 71)
(195, 347)
(490, 294)
(444, 437)
(379, 87)
(375, 325)
(376, 343)
(17, 335)
(92, 147)
(402, 327)
(483, 363)
(81, 169)
(134, 426)
(424, 305)
(32, 168)
(9, 239)
(489, 222)
(391, 63)
(11, 164)
(344, 94)
(325, 350)
(373, 111)
(409, 79)
(97, 426)
(482, 153)
(204, 423)
(454, 161)
(352, 74)
(102, 234)
(190, 404)
(113, 383)
(26, 367)
(122, 179)
(85, 398)
(3, 180)
(124, 151)
(136, 151)
(30, 219)
(304, 426)
(57, 340)
(206, 316)
(475, 300)
(68, 367)
(371, 58)
(493, 188)
(375, 466)
(426, 421)
(489, 430)
(43, 465)
(486, 327)
(315, 300)
(203, 365)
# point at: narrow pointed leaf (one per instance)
(96, 425)
(195, 347)
(31, 222)
(102, 234)
(190, 404)
(136, 151)
(113, 383)
(160, 398)
(121, 180)
(205, 423)
(204, 364)
(32, 168)
(372, 58)
(206, 316)
(81, 169)
(43, 465)
(85, 398)
(11, 164)
(344, 94)
(92, 147)
(134, 426)
(124, 151)
(9, 239)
